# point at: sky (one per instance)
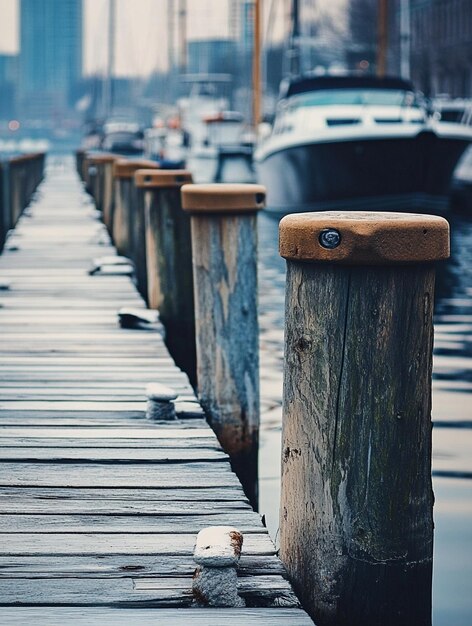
(140, 23)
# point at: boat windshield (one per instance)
(353, 97)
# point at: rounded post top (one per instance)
(124, 168)
(102, 157)
(363, 238)
(223, 198)
(152, 179)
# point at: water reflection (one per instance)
(452, 395)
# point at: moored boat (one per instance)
(357, 141)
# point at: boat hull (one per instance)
(392, 173)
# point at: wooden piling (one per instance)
(103, 186)
(123, 173)
(224, 250)
(21, 175)
(356, 523)
(79, 157)
(168, 259)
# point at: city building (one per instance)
(8, 83)
(438, 34)
(441, 47)
(211, 56)
(50, 61)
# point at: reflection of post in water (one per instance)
(224, 250)
(453, 276)
(356, 518)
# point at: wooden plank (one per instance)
(45, 406)
(124, 446)
(158, 592)
(108, 505)
(116, 475)
(245, 521)
(110, 385)
(83, 616)
(170, 454)
(113, 543)
(169, 430)
(64, 500)
(124, 566)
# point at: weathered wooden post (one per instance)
(85, 172)
(168, 259)
(79, 157)
(108, 190)
(102, 186)
(123, 172)
(16, 188)
(224, 250)
(356, 520)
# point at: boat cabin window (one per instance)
(353, 97)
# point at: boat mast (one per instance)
(382, 33)
(405, 34)
(256, 65)
(182, 36)
(170, 35)
(108, 83)
(294, 47)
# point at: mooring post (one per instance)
(85, 173)
(108, 190)
(356, 518)
(224, 251)
(79, 157)
(168, 252)
(103, 184)
(123, 172)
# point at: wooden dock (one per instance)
(100, 507)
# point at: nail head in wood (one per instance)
(151, 179)
(122, 168)
(223, 198)
(363, 238)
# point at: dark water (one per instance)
(452, 412)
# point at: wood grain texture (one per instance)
(356, 508)
(137, 251)
(122, 592)
(117, 500)
(83, 616)
(121, 215)
(108, 196)
(227, 334)
(124, 566)
(152, 544)
(170, 278)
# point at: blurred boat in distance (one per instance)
(357, 141)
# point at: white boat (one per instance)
(357, 141)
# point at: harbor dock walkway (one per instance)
(99, 506)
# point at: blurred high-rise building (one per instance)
(441, 46)
(50, 63)
(8, 82)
